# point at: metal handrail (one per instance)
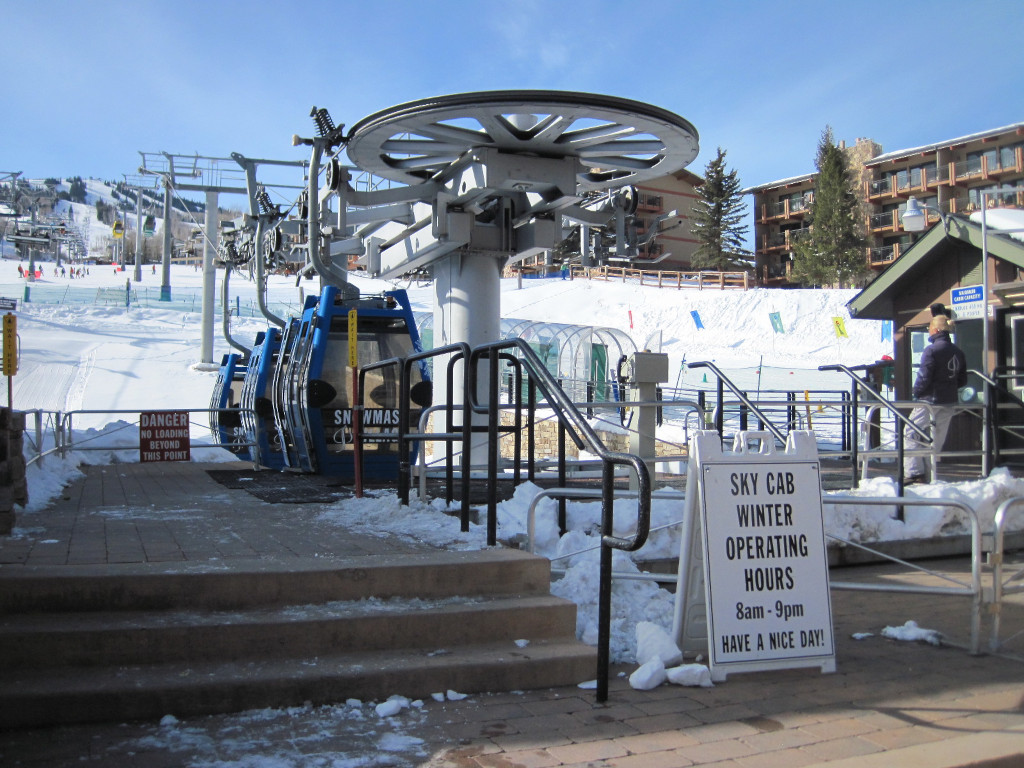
(63, 423)
(865, 455)
(973, 590)
(582, 434)
(999, 586)
(860, 384)
(571, 417)
(457, 351)
(883, 402)
(585, 435)
(991, 453)
(776, 433)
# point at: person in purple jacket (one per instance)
(942, 373)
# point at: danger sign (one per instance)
(164, 436)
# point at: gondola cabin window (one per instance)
(380, 338)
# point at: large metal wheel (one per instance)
(617, 141)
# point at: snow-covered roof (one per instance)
(896, 155)
(780, 183)
(875, 301)
(900, 153)
(1009, 220)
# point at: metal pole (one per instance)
(492, 447)
(467, 300)
(604, 597)
(209, 277)
(165, 257)
(138, 235)
(986, 418)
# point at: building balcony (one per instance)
(780, 241)
(894, 188)
(784, 209)
(935, 177)
(983, 168)
(775, 272)
(889, 221)
(883, 255)
(879, 189)
(918, 182)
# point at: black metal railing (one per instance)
(572, 424)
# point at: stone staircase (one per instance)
(114, 643)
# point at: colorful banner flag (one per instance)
(777, 322)
(840, 327)
(887, 330)
(696, 319)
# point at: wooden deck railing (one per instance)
(665, 278)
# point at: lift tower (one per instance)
(486, 180)
(211, 176)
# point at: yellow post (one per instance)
(356, 404)
(10, 354)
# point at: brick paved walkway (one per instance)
(889, 703)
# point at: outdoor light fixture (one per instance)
(915, 219)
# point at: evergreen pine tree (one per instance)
(77, 191)
(718, 217)
(832, 252)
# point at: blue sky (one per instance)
(88, 85)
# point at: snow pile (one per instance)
(862, 524)
(659, 659)
(911, 632)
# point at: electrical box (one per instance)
(648, 367)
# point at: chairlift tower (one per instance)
(487, 179)
(211, 176)
(139, 183)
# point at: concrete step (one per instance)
(39, 641)
(55, 696)
(239, 584)
(102, 643)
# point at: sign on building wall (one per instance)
(967, 302)
(164, 436)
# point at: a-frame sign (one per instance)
(760, 555)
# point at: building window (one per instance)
(919, 174)
(974, 160)
(1008, 155)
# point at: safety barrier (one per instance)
(151, 297)
(427, 467)
(1013, 584)
(972, 589)
(61, 425)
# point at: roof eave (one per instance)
(873, 303)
